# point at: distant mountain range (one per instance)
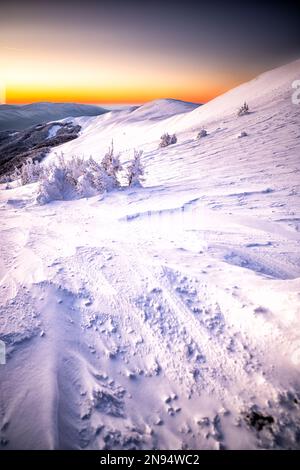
(18, 117)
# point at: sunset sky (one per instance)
(128, 52)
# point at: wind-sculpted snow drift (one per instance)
(165, 316)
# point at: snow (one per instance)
(163, 316)
(53, 131)
(129, 128)
(162, 109)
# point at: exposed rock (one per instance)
(257, 420)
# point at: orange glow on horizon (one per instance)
(31, 94)
(34, 75)
(42, 67)
(116, 53)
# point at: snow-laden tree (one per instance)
(167, 139)
(85, 185)
(29, 172)
(173, 139)
(74, 166)
(135, 170)
(243, 109)
(112, 166)
(76, 177)
(102, 178)
(56, 185)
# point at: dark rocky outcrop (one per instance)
(18, 146)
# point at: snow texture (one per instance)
(164, 316)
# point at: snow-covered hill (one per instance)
(130, 128)
(269, 89)
(22, 116)
(162, 109)
(166, 316)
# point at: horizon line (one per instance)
(99, 103)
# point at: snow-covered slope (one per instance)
(166, 316)
(269, 89)
(129, 128)
(23, 116)
(162, 109)
(142, 127)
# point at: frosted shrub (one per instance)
(69, 179)
(111, 166)
(99, 178)
(243, 109)
(74, 167)
(86, 185)
(173, 139)
(60, 179)
(56, 185)
(202, 133)
(167, 139)
(29, 172)
(76, 177)
(164, 140)
(135, 170)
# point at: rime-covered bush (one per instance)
(135, 170)
(29, 172)
(202, 133)
(85, 186)
(74, 167)
(173, 139)
(101, 180)
(167, 139)
(243, 110)
(111, 166)
(57, 184)
(76, 177)
(69, 179)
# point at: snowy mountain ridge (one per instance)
(16, 117)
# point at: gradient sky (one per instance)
(125, 52)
